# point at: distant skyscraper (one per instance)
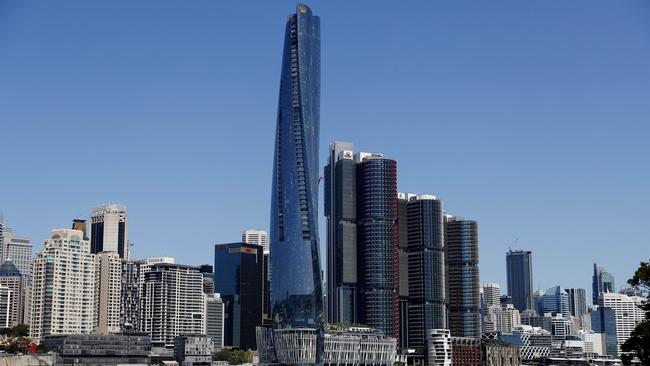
(109, 230)
(63, 286)
(254, 236)
(577, 301)
(12, 280)
(602, 281)
(462, 249)
(214, 319)
(556, 301)
(19, 250)
(520, 278)
(296, 296)
(603, 321)
(108, 292)
(341, 214)
(491, 294)
(377, 256)
(240, 284)
(172, 302)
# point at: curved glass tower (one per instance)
(296, 296)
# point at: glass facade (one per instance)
(603, 320)
(461, 244)
(378, 277)
(296, 296)
(239, 281)
(602, 281)
(520, 278)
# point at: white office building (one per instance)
(254, 236)
(109, 230)
(628, 313)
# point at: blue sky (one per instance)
(530, 117)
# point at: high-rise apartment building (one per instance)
(172, 302)
(109, 230)
(377, 254)
(214, 319)
(520, 278)
(577, 301)
(12, 280)
(130, 295)
(108, 292)
(421, 255)
(602, 282)
(240, 268)
(255, 236)
(627, 311)
(5, 307)
(462, 255)
(341, 214)
(63, 286)
(297, 296)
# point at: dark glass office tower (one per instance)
(296, 296)
(603, 320)
(239, 268)
(341, 214)
(461, 247)
(109, 230)
(520, 278)
(377, 257)
(425, 268)
(602, 281)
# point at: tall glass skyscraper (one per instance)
(602, 281)
(462, 255)
(297, 298)
(520, 278)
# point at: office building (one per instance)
(425, 268)
(94, 349)
(603, 321)
(341, 215)
(520, 278)
(501, 318)
(577, 302)
(208, 278)
(12, 281)
(491, 294)
(462, 255)
(255, 236)
(240, 283)
(214, 319)
(377, 256)
(602, 282)
(63, 286)
(193, 350)
(109, 230)
(19, 251)
(172, 302)
(130, 295)
(268, 276)
(555, 301)
(109, 293)
(358, 346)
(403, 266)
(627, 311)
(438, 347)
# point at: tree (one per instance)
(638, 345)
(233, 357)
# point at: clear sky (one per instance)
(530, 117)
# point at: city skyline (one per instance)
(507, 209)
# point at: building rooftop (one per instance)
(9, 269)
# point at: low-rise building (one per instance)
(499, 353)
(96, 349)
(193, 350)
(465, 351)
